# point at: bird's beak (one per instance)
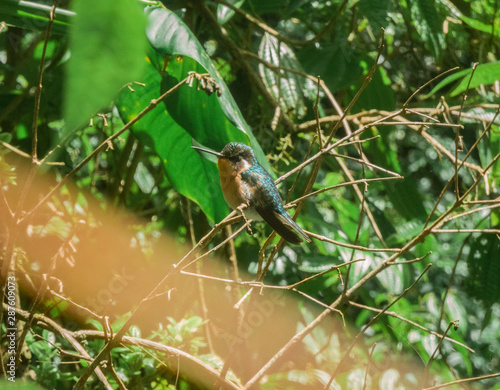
(208, 151)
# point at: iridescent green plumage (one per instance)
(245, 181)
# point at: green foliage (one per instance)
(427, 21)
(110, 49)
(482, 282)
(292, 90)
(182, 334)
(484, 74)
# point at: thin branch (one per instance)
(460, 381)
(370, 354)
(460, 215)
(363, 206)
(429, 362)
(347, 183)
(427, 124)
(405, 104)
(493, 231)
(38, 91)
(409, 261)
(350, 246)
(416, 325)
(217, 247)
(368, 164)
(457, 134)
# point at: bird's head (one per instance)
(235, 152)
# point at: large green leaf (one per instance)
(485, 74)
(193, 176)
(189, 113)
(107, 47)
(478, 25)
(492, 27)
(170, 36)
(196, 112)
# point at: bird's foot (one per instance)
(240, 209)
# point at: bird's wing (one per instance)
(268, 204)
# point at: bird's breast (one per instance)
(236, 191)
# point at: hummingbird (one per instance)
(245, 182)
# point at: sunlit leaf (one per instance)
(107, 47)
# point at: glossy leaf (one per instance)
(192, 114)
(170, 36)
(193, 176)
(485, 74)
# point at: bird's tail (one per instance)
(285, 227)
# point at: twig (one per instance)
(367, 80)
(38, 91)
(416, 123)
(357, 247)
(201, 286)
(429, 362)
(460, 381)
(396, 315)
(217, 247)
(356, 238)
(457, 134)
(460, 215)
(493, 231)
(335, 267)
(370, 354)
(368, 164)
(405, 104)
(5, 202)
(409, 261)
(62, 351)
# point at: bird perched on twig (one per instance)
(245, 182)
